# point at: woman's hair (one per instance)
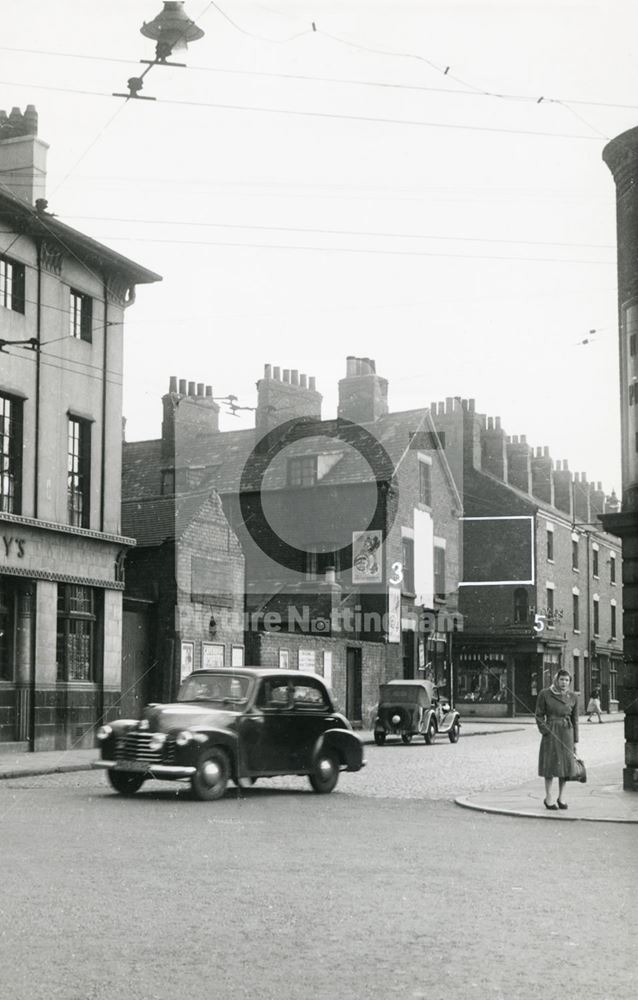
(564, 673)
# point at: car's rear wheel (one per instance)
(325, 774)
(406, 738)
(430, 733)
(211, 777)
(379, 739)
(124, 782)
(454, 733)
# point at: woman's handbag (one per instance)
(580, 771)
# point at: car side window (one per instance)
(274, 694)
(309, 696)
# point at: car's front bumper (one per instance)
(141, 767)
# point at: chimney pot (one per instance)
(350, 365)
(312, 383)
(497, 423)
(209, 390)
(294, 376)
(172, 384)
(472, 403)
(546, 452)
(191, 388)
(182, 387)
(276, 373)
(303, 381)
(267, 371)
(200, 388)
(287, 375)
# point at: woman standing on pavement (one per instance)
(557, 720)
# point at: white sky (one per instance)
(471, 257)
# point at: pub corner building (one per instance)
(62, 302)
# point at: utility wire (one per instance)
(418, 88)
(257, 109)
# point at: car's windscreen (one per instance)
(224, 688)
(397, 693)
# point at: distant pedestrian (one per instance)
(593, 705)
(557, 721)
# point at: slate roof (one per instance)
(227, 453)
(155, 520)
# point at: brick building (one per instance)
(62, 303)
(349, 527)
(565, 607)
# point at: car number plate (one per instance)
(131, 765)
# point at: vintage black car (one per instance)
(410, 708)
(233, 724)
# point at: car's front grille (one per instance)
(137, 746)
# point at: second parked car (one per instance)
(410, 708)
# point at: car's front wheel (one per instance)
(325, 774)
(430, 733)
(454, 733)
(125, 782)
(406, 738)
(379, 739)
(211, 777)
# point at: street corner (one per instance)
(602, 801)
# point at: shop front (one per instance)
(60, 632)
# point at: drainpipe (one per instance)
(104, 388)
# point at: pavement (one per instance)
(602, 799)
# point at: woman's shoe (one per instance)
(547, 805)
(561, 805)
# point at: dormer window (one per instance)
(302, 471)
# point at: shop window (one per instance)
(80, 316)
(11, 284)
(407, 558)
(482, 681)
(520, 606)
(425, 483)
(10, 454)
(75, 650)
(613, 681)
(7, 625)
(79, 464)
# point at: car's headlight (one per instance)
(103, 732)
(396, 719)
(183, 738)
(157, 741)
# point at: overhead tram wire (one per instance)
(256, 109)
(417, 88)
(340, 232)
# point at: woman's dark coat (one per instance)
(557, 720)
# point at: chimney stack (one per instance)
(494, 449)
(280, 399)
(519, 467)
(23, 157)
(563, 494)
(188, 412)
(363, 395)
(542, 475)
